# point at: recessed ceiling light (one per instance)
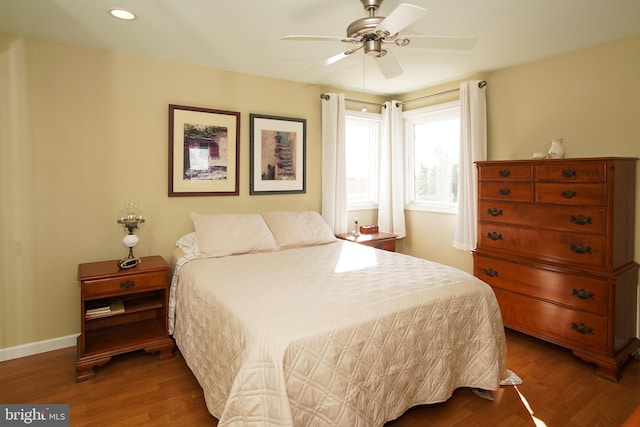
(122, 14)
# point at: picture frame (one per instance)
(204, 152)
(277, 154)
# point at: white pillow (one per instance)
(229, 234)
(296, 229)
(188, 242)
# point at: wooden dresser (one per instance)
(556, 243)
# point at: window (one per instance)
(361, 139)
(432, 140)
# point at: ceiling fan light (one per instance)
(372, 47)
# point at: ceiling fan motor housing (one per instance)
(363, 26)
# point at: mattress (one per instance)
(332, 335)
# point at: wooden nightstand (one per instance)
(144, 292)
(386, 241)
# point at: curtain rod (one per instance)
(327, 97)
(481, 84)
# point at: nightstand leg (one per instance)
(84, 368)
(165, 349)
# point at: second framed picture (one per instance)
(278, 154)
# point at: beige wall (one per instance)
(83, 130)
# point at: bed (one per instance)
(283, 325)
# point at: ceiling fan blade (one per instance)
(389, 65)
(317, 38)
(400, 18)
(437, 42)
(335, 58)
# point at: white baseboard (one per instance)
(30, 349)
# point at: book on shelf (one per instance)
(104, 309)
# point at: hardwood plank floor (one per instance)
(138, 389)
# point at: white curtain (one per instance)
(391, 179)
(473, 147)
(334, 166)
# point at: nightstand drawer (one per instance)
(386, 244)
(124, 284)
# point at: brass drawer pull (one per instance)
(494, 235)
(581, 219)
(568, 173)
(505, 191)
(494, 211)
(504, 173)
(490, 272)
(127, 284)
(582, 294)
(568, 194)
(582, 328)
(580, 248)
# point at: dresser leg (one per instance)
(609, 367)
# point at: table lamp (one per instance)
(130, 217)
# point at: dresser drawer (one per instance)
(572, 171)
(569, 218)
(578, 248)
(585, 293)
(506, 190)
(572, 193)
(124, 284)
(560, 324)
(505, 172)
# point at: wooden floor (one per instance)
(138, 389)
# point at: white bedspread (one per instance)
(332, 335)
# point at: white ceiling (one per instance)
(245, 35)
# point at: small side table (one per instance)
(143, 324)
(386, 241)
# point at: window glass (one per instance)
(361, 139)
(432, 138)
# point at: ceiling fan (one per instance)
(372, 32)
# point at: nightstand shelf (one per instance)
(143, 325)
(108, 340)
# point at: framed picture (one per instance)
(204, 146)
(278, 154)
